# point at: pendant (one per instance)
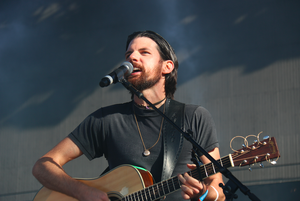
(146, 152)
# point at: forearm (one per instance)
(52, 176)
(209, 190)
(215, 193)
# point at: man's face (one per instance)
(143, 54)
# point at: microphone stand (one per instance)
(188, 137)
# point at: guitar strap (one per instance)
(172, 138)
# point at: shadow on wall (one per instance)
(53, 54)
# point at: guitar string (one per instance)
(209, 168)
(157, 192)
(165, 185)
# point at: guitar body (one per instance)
(135, 184)
(117, 183)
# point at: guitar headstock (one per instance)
(257, 152)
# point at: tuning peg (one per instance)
(250, 169)
(255, 141)
(243, 145)
(266, 137)
(273, 162)
(261, 165)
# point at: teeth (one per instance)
(136, 69)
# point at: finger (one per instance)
(185, 195)
(191, 166)
(192, 182)
(186, 190)
(190, 186)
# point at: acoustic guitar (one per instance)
(131, 183)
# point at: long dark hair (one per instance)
(166, 52)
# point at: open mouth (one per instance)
(135, 70)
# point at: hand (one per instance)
(191, 188)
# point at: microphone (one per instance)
(125, 69)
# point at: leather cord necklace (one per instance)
(146, 151)
(147, 106)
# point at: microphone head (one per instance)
(129, 66)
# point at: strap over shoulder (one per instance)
(172, 138)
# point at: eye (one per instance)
(127, 55)
(145, 52)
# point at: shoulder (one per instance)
(121, 108)
(192, 109)
(196, 110)
(196, 113)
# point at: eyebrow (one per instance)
(141, 49)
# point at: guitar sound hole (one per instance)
(114, 196)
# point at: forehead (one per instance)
(142, 42)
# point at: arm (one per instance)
(49, 172)
(193, 189)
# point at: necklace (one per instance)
(146, 151)
(147, 106)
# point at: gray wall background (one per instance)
(239, 59)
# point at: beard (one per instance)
(144, 81)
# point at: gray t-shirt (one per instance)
(112, 131)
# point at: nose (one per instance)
(133, 57)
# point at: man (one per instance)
(133, 133)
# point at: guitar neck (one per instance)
(173, 184)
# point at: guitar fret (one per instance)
(130, 197)
(162, 189)
(139, 196)
(191, 173)
(166, 187)
(157, 191)
(167, 183)
(205, 170)
(145, 193)
(171, 186)
(173, 183)
(149, 192)
(209, 170)
(135, 197)
(153, 194)
(213, 169)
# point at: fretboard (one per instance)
(173, 184)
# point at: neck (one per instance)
(157, 102)
(154, 94)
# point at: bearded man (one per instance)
(133, 133)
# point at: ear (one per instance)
(168, 67)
